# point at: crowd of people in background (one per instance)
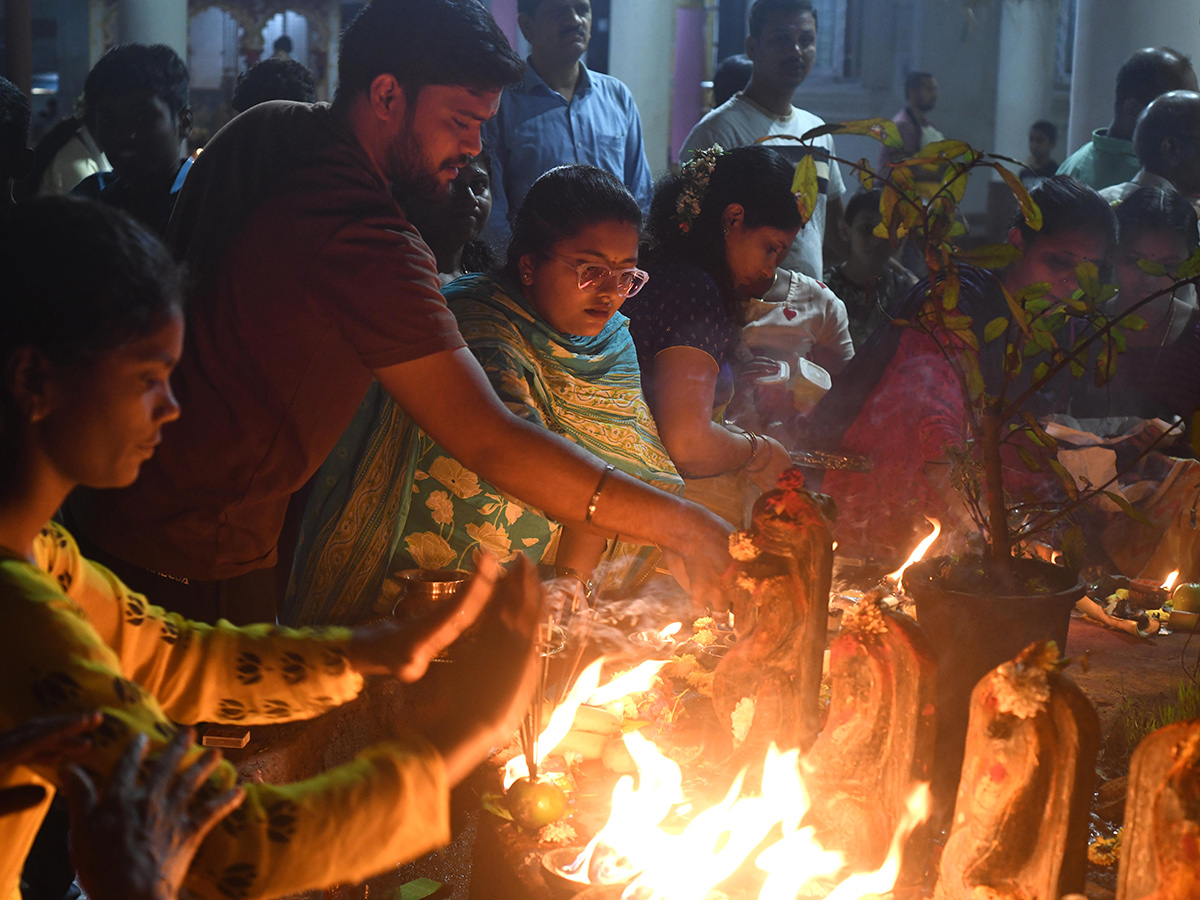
(449, 321)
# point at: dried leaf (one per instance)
(882, 130)
(950, 289)
(1074, 547)
(866, 175)
(1038, 431)
(1018, 312)
(1133, 323)
(1067, 479)
(804, 186)
(1029, 209)
(1029, 460)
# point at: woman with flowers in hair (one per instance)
(718, 231)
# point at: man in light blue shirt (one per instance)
(560, 114)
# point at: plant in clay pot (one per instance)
(1006, 343)
(1006, 349)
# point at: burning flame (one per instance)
(918, 554)
(669, 632)
(688, 865)
(1170, 582)
(586, 689)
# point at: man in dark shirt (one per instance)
(308, 283)
(137, 95)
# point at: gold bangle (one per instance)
(591, 507)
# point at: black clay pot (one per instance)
(972, 633)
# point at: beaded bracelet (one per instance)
(591, 507)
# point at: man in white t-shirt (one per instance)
(782, 44)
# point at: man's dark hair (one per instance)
(764, 10)
(757, 178)
(274, 79)
(563, 202)
(732, 75)
(914, 80)
(1175, 114)
(1068, 206)
(1046, 128)
(863, 201)
(1153, 209)
(15, 116)
(282, 43)
(1149, 73)
(420, 42)
(139, 67)
(120, 286)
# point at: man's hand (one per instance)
(135, 838)
(490, 687)
(405, 649)
(45, 741)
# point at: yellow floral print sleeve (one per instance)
(75, 638)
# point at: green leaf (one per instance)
(1087, 275)
(989, 256)
(1074, 546)
(1067, 479)
(972, 375)
(1040, 371)
(954, 181)
(882, 130)
(1012, 361)
(1133, 323)
(994, 329)
(1128, 508)
(1030, 461)
(1044, 340)
(1036, 428)
(866, 175)
(804, 186)
(950, 286)
(1190, 267)
(1150, 267)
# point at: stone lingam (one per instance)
(1020, 819)
(767, 688)
(878, 739)
(1160, 858)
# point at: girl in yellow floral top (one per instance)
(86, 352)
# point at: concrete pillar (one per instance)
(1025, 76)
(691, 56)
(154, 22)
(505, 14)
(18, 44)
(1106, 32)
(641, 36)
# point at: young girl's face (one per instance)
(101, 421)
(552, 279)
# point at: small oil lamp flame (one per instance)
(670, 631)
(918, 554)
(1170, 582)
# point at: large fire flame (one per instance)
(688, 865)
(918, 554)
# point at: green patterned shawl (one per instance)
(390, 498)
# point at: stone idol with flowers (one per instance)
(768, 686)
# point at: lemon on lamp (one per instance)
(1186, 597)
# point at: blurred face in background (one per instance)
(1164, 247)
(868, 250)
(784, 53)
(1040, 145)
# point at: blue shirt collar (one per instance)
(532, 82)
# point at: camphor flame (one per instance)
(586, 689)
(1170, 582)
(918, 554)
(688, 865)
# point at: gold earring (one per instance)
(527, 278)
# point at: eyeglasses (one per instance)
(592, 276)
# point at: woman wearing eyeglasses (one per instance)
(719, 230)
(548, 332)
